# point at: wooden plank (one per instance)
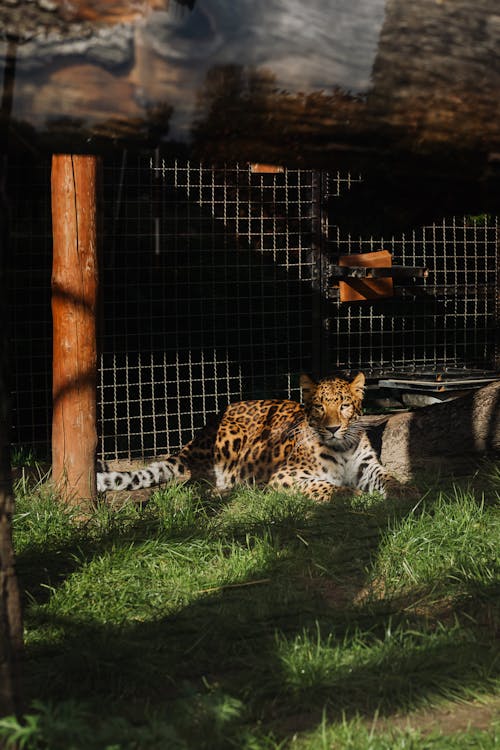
(74, 300)
(257, 168)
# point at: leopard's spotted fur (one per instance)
(315, 448)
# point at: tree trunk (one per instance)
(444, 433)
(11, 626)
(74, 299)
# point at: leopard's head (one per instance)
(333, 406)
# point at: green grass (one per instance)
(261, 620)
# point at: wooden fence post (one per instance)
(74, 302)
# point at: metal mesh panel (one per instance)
(206, 297)
(448, 323)
(28, 270)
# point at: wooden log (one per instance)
(74, 300)
(444, 435)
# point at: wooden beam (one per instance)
(74, 300)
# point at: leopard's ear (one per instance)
(357, 386)
(308, 386)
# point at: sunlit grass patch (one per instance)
(250, 508)
(450, 540)
(42, 521)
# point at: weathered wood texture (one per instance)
(386, 83)
(11, 626)
(74, 300)
(441, 433)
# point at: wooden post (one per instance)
(74, 299)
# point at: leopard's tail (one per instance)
(172, 469)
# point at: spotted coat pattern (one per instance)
(316, 448)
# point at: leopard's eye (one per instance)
(318, 410)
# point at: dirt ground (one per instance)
(456, 717)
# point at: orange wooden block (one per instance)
(265, 169)
(358, 290)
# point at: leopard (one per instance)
(318, 447)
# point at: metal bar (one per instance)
(318, 338)
(496, 306)
(363, 272)
(436, 385)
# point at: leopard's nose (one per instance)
(333, 429)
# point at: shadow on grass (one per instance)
(284, 665)
(289, 642)
(68, 544)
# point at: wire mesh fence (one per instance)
(28, 272)
(214, 289)
(448, 322)
(206, 297)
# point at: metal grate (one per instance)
(449, 323)
(206, 297)
(28, 271)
